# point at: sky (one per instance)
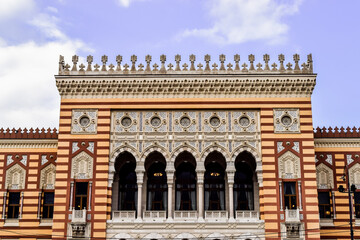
(33, 33)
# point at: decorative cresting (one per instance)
(84, 121)
(286, 121)
(337, 132)
(324, 177)
(82, 166)
(204, 80)
(289, 166)
(354, 173)
(28, 133)
(47, 177)
(15, 177)
(306, 67)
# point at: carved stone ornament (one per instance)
(84, 121)
(82, 166)
(286, 121)
(15, 177)
(324, 177)
(289, 166)
(354, 173)
(47, 177)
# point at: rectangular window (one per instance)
(290, 198)
(357, 204)
(48, 205)
(324, 199)
(14, 205)
(81, 194)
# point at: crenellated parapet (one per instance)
(337, 132)
(28, 133)
(191, 67)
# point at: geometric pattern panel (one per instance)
(289, 166)
(84, 121)
(324, 177)
(47, 177)
(15, 177)
(286, 121)
(82, 166)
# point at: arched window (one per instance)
(244, 182)
(156, 182)
(214, 182)
(185, 182)
(125, 179)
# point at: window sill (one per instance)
(46, 222)
(326, 222)
(357, 221)
(11, 222)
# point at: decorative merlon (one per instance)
(337, 132)
(28, 133)
(251, 67)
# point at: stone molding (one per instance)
(289, 166)
(28, 143)
(169, 86)
(324, 177)
(337, 143)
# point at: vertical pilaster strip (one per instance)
(4, 205)
(39, 206)
(21, 204)
(71, 195)
(300, 198)
(281, 196)
(90, 190)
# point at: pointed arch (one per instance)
(183, 148)
(82, 166)
(154, 236)
(354, 173)
(123, 236)
(185, 236)
(289, 166)
(324, 177)
(213, 236)
(212, 148)
(15, 177)
(47, 177)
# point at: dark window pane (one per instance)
(14, 198)
(324, 198)
(81, 188)
(48, 198)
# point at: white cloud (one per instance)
(238, 21)
(29, 97)
(126, 3)
(14, 8)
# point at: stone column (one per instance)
(300, 198)
(200, 185)
(231, 175)
(140, 181)
(4, 205)
(170, 182)
(21, 204)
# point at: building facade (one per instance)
(181, 151)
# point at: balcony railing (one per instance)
(78, 216)
(216, 215)
(292, 215)
(123, 215)
(247, 215)
(154, 215)
(185, 215)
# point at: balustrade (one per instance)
(292, 215)
(154, 215)
(78, 216)
(216, 215)
(123, 215)
(185, 215)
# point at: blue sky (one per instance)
(33, 33)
